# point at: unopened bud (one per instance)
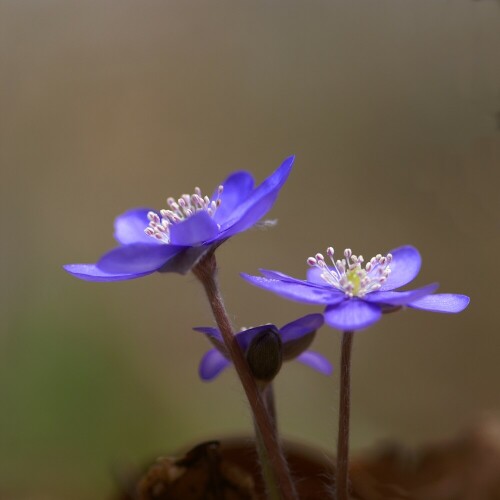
(265, 355)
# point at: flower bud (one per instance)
(265, 354)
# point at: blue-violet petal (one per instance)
(212, 363)
(129, 227)
(297, 291)
(301, 327)
(401, 298)
(237, 188)
(195, 230)
(209, 331)
(136, 258)
(353, 314)
(314, 275)
(259, 202)
(316, 361)
(405, 265)
(276, 275)
(442, 302)
(90, 272)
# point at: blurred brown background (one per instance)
(392, 108)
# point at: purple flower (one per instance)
(355, 297)
(296, 337)
(174, 239)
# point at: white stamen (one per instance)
(179, 210)
(348, 275)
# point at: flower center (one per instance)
(348, 274)
(186, 206)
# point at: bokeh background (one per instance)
(392, 108)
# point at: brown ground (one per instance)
(467, 468)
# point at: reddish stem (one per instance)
(206, 271)
(342, 472)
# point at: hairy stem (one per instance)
(268, 474)
(342, 478)
(267, 392)
(273, 458)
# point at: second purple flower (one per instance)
(355, 296)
